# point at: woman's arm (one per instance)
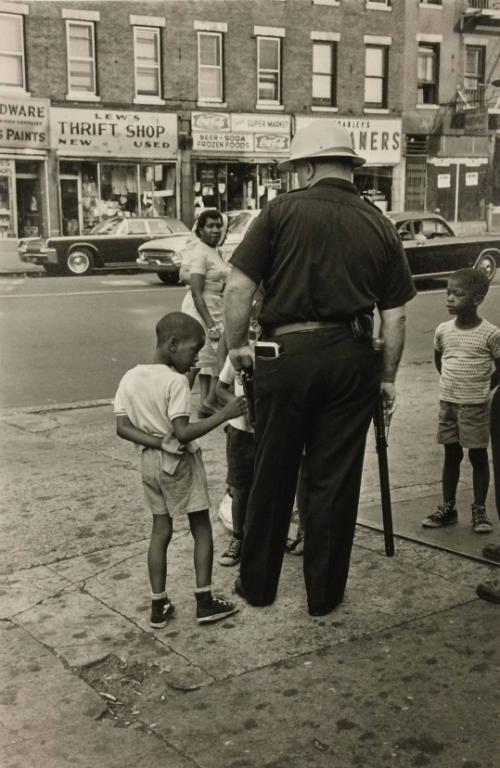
(197, 287)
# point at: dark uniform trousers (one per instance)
(320, 393)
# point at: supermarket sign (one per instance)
(378, 140)
(241, 133)
(113, 133)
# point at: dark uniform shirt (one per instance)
(323, 253)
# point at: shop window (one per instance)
(269, 70)
(12, 63)
(210, 67)
(7, 224)
(474, 76)
(376, 67)
(147, 56)
(80, 39)
(427, 73)
(157, 190)
(376, 4)
(324, 74)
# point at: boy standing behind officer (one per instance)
(152, 408)
(465, 349)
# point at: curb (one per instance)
(57, 407)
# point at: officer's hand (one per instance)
(241, 358)
(389, 399)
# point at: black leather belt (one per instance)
(307, 325)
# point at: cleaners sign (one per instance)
(112, 133)
(378, 140)
(247, 134)
(24, 123)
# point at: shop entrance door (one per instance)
(71, 204)
(28, 205)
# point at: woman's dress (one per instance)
(202, 259)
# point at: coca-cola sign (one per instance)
(245, 133)
(210, 121)
(271, 143)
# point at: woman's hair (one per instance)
(208, 213)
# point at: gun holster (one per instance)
(362, 328)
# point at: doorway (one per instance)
(71, 207)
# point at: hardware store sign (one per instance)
(240, 133)
(24, 123)
(378, 140)
(111, 133)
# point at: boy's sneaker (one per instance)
(445, 514)
(489, 590)
(213, 609)
(480, 523)
(232, 554)
(161, 611)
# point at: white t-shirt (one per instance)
(467, 356)
(228, 376)
(152, 396)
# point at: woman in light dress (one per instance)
(205, 271)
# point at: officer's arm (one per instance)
(392, 331)
(238, 297)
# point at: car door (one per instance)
(124, 250)
(429, 248)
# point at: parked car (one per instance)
(434, 251)
(164, 256)
(112, 244)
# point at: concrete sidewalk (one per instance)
(403, 673)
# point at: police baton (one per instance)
(383, 467)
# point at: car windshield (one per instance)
(108, 227)
(238, 222)
(172, 226)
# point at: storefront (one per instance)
(235, 158)
(24, 141)
(112, 162)
(378, 140)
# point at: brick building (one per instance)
(167, 106)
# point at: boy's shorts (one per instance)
(468, 425)
(179, 494)
(240, 453)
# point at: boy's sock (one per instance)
(210, 608)
(161, 609)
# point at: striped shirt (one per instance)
(467, 356)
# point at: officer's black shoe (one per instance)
(322, 610)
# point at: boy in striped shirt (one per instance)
(467, 356)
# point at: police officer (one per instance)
(326, 259)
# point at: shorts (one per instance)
(183, 492)
(240, 454)
(468, 425)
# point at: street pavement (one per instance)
(404, 673)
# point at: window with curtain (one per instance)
(80, 37)
(269, 69)
(376, 59)
(12, 64)
(210, 67)
(147, 59)
(324, 74)
(427, 73)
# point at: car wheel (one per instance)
(79, 262)
(488, 263)
(168, 279)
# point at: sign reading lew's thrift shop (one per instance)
(231, 132)
(112, 133)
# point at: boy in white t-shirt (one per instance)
(240, 459)
(152, 407)
(466, 351)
